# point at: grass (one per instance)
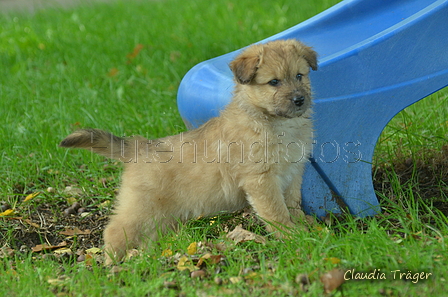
(83, 67)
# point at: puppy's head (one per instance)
(274, 76)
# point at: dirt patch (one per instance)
(48, 224)
(425, 174)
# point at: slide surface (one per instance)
(376, 57)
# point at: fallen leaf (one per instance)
(241, 235)
(171, 285)
(31, 196)
(198, 274)
(252, 275)
(12, 272)
(63, 251)
(135, 52)
(85, 214)
(167, 253)
(113, 72)
(105, 204)
(235, 279)
(220, 246)
(44, 246)
(212, 259)
(73, 191)
(202, 259)
(71, 200)
(93, 251)
(61, 280)
(185, 263)
(215, 259)
(438, 258)
(6, 252)
(32, 224)
(74, 231)
(89, 260)
(333, 260)
(7, 212)
(14, 218)
(192, 248)
(182, 262)
(332, 280)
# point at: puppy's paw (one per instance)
(110, 258)
(310, 220)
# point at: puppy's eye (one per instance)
(274, 82)
(299, 76)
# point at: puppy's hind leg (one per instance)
(131, 219)
(127, 232)
(122, 234)
(139, 217)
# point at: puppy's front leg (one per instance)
(264, 194)
(293, 199)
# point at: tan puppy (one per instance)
(252, 154)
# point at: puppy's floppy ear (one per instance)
(310, 56)
(245, 66)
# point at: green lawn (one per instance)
(117, 67)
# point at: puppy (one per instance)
(252, 154)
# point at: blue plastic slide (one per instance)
(376, 58)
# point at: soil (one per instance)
(425, 175)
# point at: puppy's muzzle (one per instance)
(298, 100)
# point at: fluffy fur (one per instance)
(252, 154)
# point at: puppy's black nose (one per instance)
(298, 100)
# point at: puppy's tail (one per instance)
(100, 142)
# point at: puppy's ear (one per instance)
(311, 57)
(245, 66)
